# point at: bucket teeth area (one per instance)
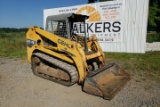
(106, 81)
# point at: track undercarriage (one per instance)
(53, 69)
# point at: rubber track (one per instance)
(63, 65)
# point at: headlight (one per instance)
(30, 43)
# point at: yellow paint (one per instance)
(91, 12)
(75, 55)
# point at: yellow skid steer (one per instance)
(62, 54)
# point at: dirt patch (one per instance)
(20, 88)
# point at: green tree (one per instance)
(10, 30)
(93, 1)
(154, 15)
(105, 0)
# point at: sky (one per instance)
(26, 13)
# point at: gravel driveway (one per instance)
(20, 88)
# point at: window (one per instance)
(49, 26)
(57, 27)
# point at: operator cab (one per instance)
(65, 25)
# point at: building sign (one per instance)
(105, 19)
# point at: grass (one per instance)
(12, 45)
(146, 65)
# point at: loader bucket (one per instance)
(106, 81)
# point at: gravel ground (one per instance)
(20, 88)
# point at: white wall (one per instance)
(155, 46)
(135, 28)
(134, 18)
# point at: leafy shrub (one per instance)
(153, 37)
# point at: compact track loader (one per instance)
(62, 55)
